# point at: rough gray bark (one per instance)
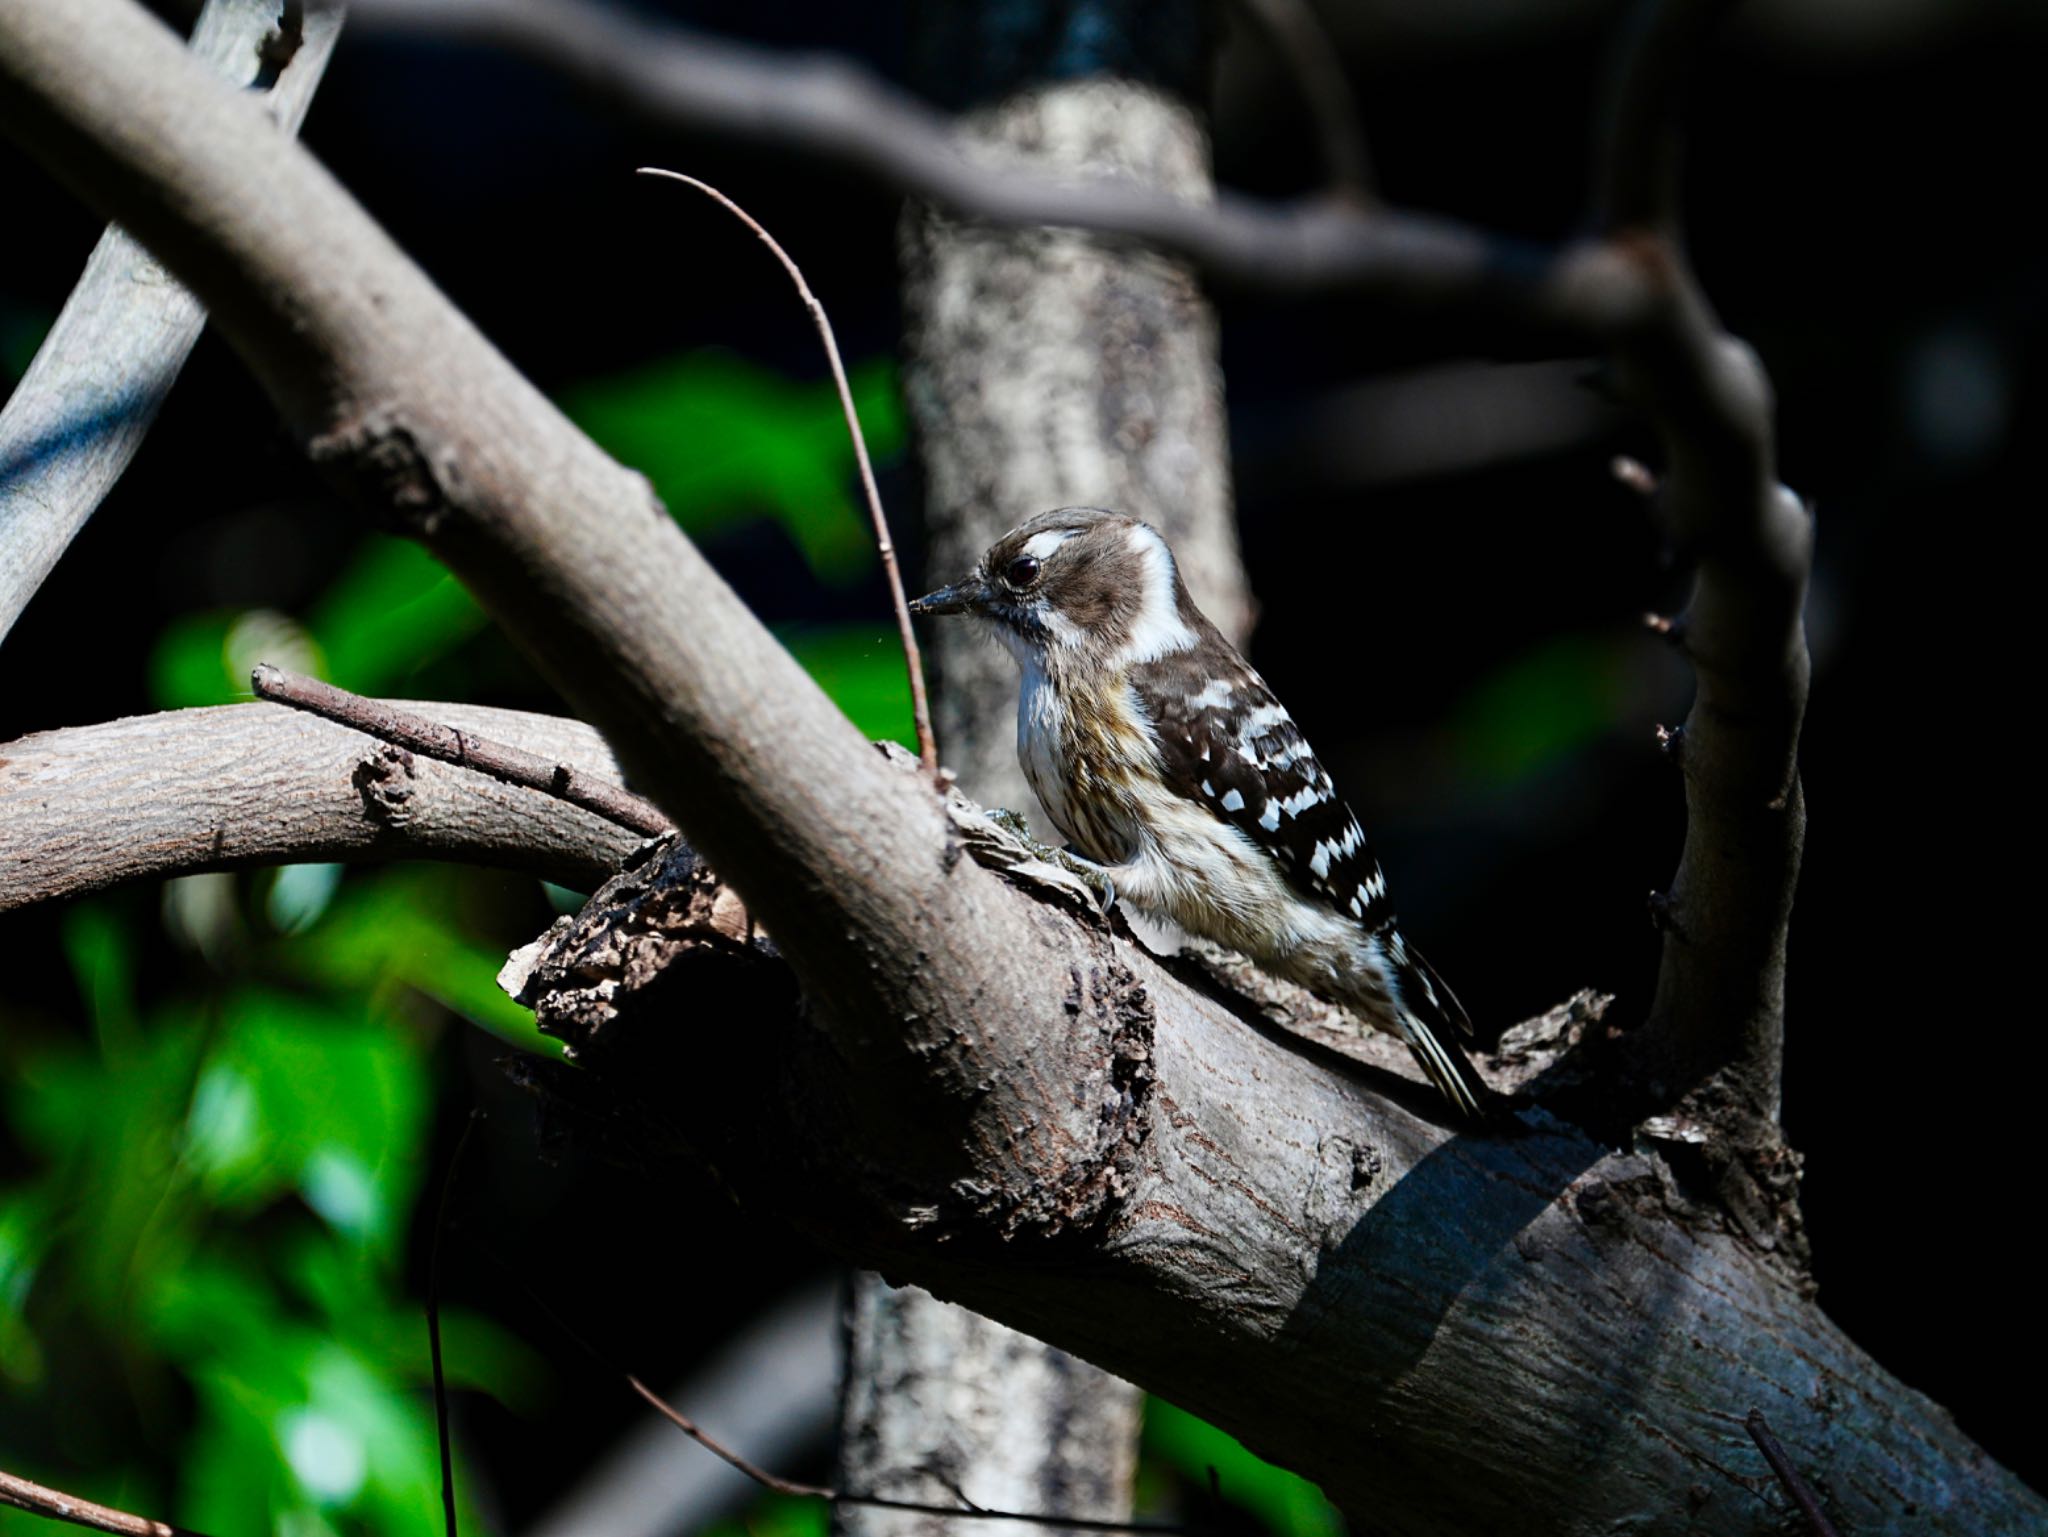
(989, 1094)
(101, 375)
(1045, 369)
(1451, 1333)
(940, 1401)
(226, 788)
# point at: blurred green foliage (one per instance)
(1543, 707)
(210, 1247)
(1282, 1502)
(724, 441)
(775, 1515)
(206, 1255)
(861, 667)
(211, 1235)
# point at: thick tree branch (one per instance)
(834, 114)
(1453, 1334)
(226, 788)
(1717, 1024)
(102, 373)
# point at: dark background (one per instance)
(1464, 646)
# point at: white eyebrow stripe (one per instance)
(1038, 546)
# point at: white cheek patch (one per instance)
(1158, 629)
(1063, 630)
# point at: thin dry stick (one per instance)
(966, 1509)
(59, 1506)
(513, 765)
(927, 748)
(434, 1325)
(1798, 1488)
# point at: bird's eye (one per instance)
(1022, 571)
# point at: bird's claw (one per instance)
(1082, 868)
(1089, 873)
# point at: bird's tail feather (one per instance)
(1446, 1067)
(1430, 1013)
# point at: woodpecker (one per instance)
(1166, 762)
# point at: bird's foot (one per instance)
(1013, 822)
(1090, 874)
(1094, 876)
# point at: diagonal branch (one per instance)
(235, 786)
(96, 384)
(833, 114)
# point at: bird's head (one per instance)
(1080, 582)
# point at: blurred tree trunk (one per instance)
(1043, 369)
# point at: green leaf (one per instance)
(299, 1096)
(101, 954)
(1289, 1505)
(355, 1299)
(724, 441)
(861, 667)
(393, 930)
(391, 611)
(206, 658)
(22, 330)
(24, 1238)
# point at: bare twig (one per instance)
(795, 1488)
(1796, 1487)
(927, 748)
(965, 1510)
(101, 375)
(446, 1441)
(1310, 55)
(59, 1506)
(513, 765)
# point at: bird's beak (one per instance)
(960, 598)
